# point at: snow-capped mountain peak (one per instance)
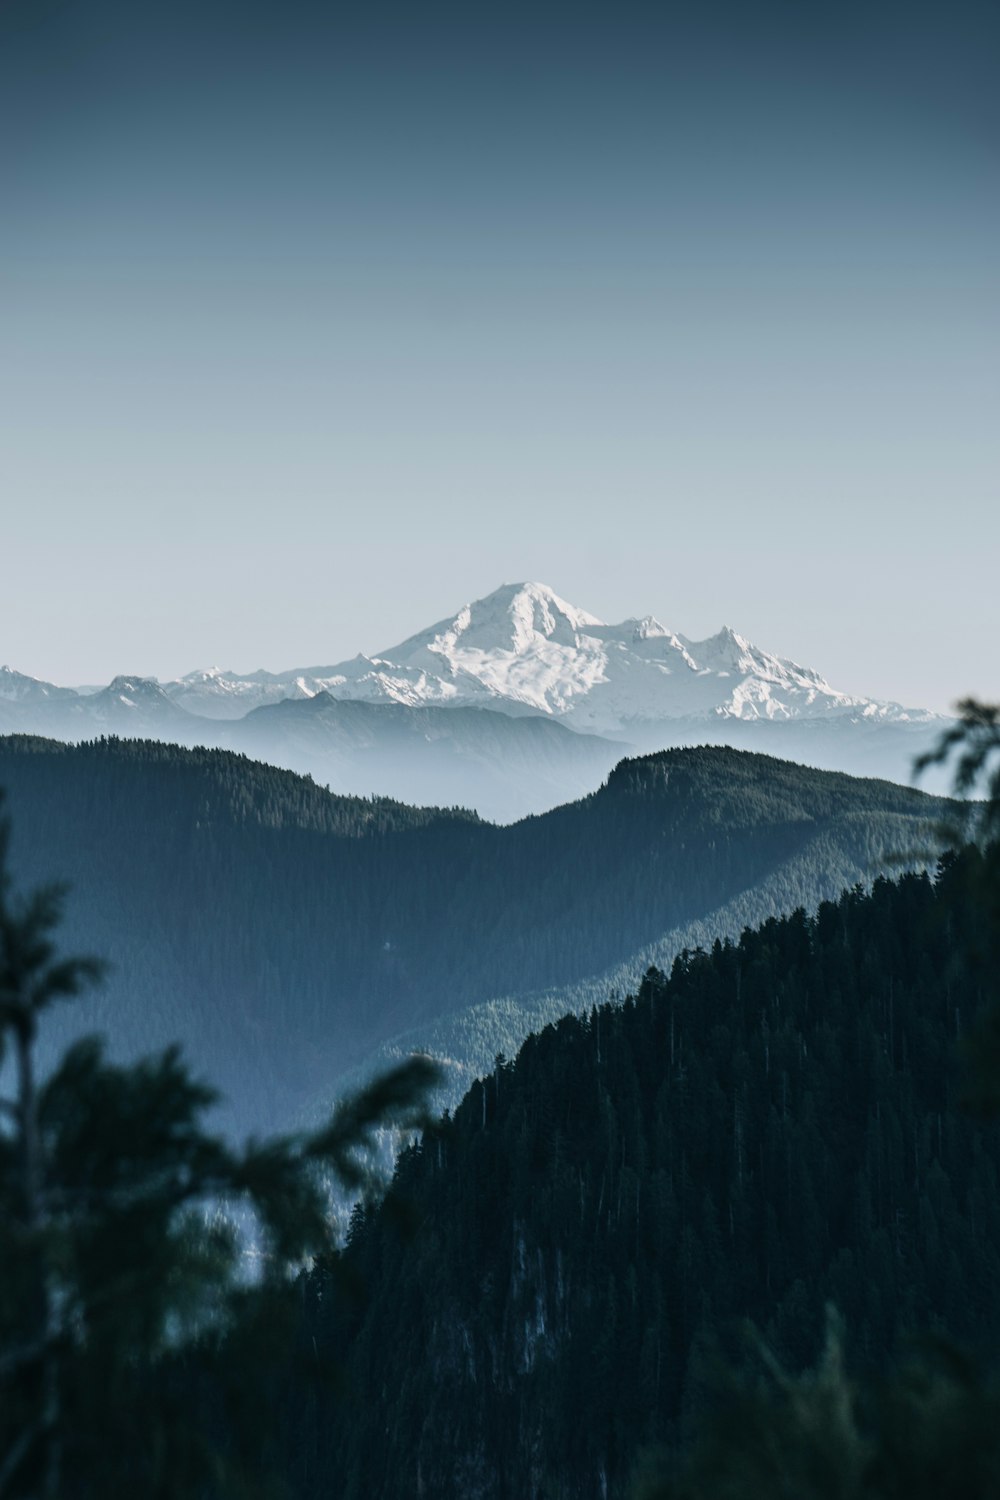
(126, 691)
(648, 628)
(140, 686)
(525, 649)
(512, 618)
(17, 687)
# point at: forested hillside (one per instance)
(770, 1128)
(281, 932)
(505, 765)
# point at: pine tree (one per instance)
(139, 1335)
(933, 1428)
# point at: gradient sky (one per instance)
(317, 321)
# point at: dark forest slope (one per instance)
(770, 1128)
(281, 932)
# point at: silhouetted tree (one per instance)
(145, 1289)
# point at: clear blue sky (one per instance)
(314, 325)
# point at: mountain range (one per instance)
(567, 693)
(288, 936)
(524, 649)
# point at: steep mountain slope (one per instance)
(282, 932)
(771, 1128)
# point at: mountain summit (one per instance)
(512, 618)
(524, 649)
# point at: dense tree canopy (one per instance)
(932, 1427)
(770, 1128)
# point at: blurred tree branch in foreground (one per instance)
(140, 1343)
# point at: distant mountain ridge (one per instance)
(523, 645)
(283, 933)
(523, 648)
(524, 654)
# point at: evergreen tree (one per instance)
(932, 1428)
(146, 1300)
